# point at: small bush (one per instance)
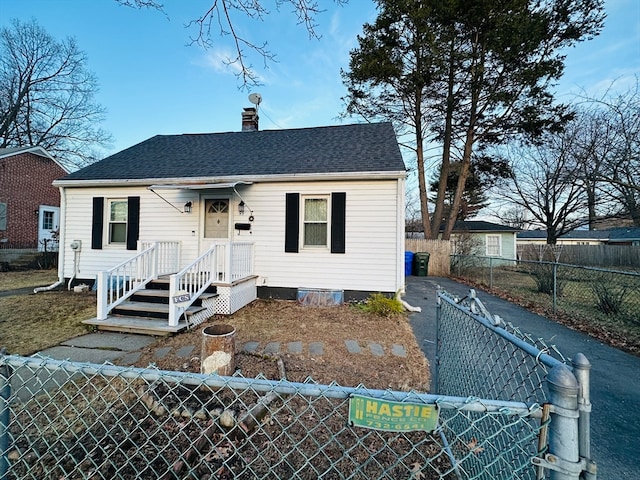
(609, 297)
(544, 276)
(382, 306)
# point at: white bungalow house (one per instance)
(201, 224)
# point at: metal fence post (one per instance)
(434, 387)
(563, 457)
(490, 272)
(581, 368)
(5, 393)
(555, 286)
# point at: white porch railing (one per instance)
(123, 280)
(236, 259)
(168, 256)
(194, 279)
(224, 262)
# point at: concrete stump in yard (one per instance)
(218, 350)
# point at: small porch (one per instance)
(150, 294)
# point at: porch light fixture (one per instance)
(187, 207)
(241, 207)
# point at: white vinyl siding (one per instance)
(373, 232)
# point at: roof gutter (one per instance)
(185, 181)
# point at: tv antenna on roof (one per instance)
(255, 98)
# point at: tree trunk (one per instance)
(422, 183)
(476, 80)
(462, 180)
(436, 221)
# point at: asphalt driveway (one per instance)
(615, 375)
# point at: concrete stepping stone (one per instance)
(272, 347)
(353, 346)
(130, 358)
(294, 347)
(398, 350)
(316, 349)
(184, 352)
(376, 349)
(160, 353)
(251, 347)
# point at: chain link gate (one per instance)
(83, 421)
(481, 354)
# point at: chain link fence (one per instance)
(489, 419)
(480, 353)
(604, 298)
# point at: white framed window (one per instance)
(3, 216)
(315, 228)
(47, 220)
(117, 221)
(494, 245)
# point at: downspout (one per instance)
(400, 239)
(61, 242)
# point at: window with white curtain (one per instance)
(494, 245)
(316, 225)
(117, 221)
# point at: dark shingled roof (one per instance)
(480, 226)
(335, 149)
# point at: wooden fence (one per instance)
(607, 256)
(439, 254)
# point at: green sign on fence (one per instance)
(391, 416)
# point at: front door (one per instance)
(216, 218)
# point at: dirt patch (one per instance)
(140, 429)
(288, 323)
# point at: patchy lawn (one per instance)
(29, 278)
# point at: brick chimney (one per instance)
(250, 120)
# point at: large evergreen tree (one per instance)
(465, 74)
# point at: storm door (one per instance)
(48, 228)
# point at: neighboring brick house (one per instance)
(29, 203)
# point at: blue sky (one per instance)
(152, 82)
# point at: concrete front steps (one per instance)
(147, 312)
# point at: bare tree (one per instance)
(593, 146)
(515, 216)
(546, 183)
(221, 18)
(47, 95)
(622, 164)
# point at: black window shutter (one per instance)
(338, 217)
(292, 222)
(133, 222)
(97, 223)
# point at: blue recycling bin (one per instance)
(408, 263)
